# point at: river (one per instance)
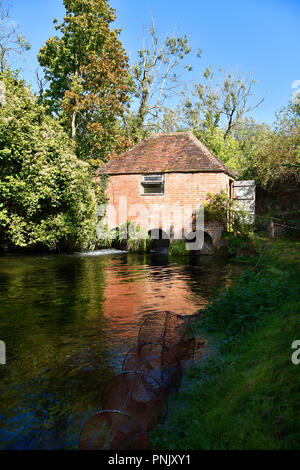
(67, 322)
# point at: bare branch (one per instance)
(41, 82)
(156, 75)
(10, 40)
(224, 103)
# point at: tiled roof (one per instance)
(178, 152)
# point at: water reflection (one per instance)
(67, 322)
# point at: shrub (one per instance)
(236, 227)
(178, 248)
(249, 245)
(219, 207)
(128, 236)
(47, 195)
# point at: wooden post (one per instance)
(271, 230)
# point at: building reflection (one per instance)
(142, 289)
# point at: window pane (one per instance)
(154, 189)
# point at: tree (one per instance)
(219, 105)
(10, 40)
(251, 138)
(228, 150)
(155, 78)
(87, 71)
(47, 197)
(270, 155)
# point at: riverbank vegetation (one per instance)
(47, 196)
(91, 105)
(178, 248)
(238, 232)
(129, 236)
(244, 395)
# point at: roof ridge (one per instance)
(198, 142)
(163, 134)
(185, 154)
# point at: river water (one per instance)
(67, 322)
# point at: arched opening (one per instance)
(207, 245)
(199, 242)
(160, 240)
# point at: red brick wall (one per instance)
(185, 190)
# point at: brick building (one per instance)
(160, 182)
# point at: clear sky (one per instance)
(258, 36)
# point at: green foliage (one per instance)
(101, 188)
(47, 198)
(138, 245)
(284, 254)
(87, 72)
(245, 400)
(153, 80)
(219, 207)
(270, 156)
(216, 104)
(137, 241)
(178, 248)
(246, 304)
(128, 236)
(244, 245)
(227, 150)
(251, 138)
(245, 394)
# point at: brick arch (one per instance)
(207, 245)
(214, 230)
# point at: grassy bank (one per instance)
(247, 394)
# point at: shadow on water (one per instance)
(68, 321)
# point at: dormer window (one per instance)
(153, 185)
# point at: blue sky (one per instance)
(255, 36)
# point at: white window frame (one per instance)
(160, 180)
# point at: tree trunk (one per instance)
(142, 110)
(74, 125)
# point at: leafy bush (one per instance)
(47, 196)
(236, 227)
(138, 241)
(139, 245)
(219, 207)
(248, 245)
(178, 248)
(128, 236)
